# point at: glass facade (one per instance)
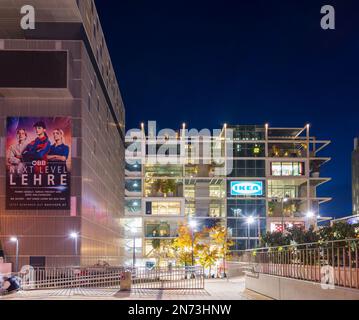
(163, 208)
(242, 188)
(248, 149)
(133, 185)
(246, 168)
(287, 169)
(239, 208)
(133, 206)
(248, 132)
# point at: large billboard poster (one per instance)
(38, 163)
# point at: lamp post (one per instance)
(250, 220)
(133, 230)
(74, 236)
(310, 216)
(193, 225)
(285, 199)
(16, 240)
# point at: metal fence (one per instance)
(110, 277)
(333, 262)
(168, 278)
(71, 277)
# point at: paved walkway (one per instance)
(215, 289)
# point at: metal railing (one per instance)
(332, 262)
(168, 278)
(110, 277)
(63, 261)
(71, 277)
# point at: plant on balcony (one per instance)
(271, 207)
(158, 186)
(315, 168)
(169, 187)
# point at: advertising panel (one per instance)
(246, 188)
(38, 163)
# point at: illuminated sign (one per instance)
(38, 163)
(246, 188)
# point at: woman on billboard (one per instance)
(59, 152)
(16, 150)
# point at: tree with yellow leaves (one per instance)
(185, 244)
(208, 256)
(219, 235)
(162, 249)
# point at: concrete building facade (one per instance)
(89, 96)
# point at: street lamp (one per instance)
(285, 199)
(193, 225)
(250, 220)
(74, 236)
(16, 240)
(133, 231)
(309, 214)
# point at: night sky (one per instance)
(242, 62)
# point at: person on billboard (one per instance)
(59, 151)
(40, 147)
(15, 152)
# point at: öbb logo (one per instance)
(252, 188)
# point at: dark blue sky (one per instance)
(242, 62)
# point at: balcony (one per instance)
(287, 150)
(163, 187)
(289, 208)
(161, 229)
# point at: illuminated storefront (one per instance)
(259, 180)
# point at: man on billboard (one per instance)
(38, 148)
(14, 158)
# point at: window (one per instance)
(163, 187)
(246, 168)
(248, 149)
(242, 208)
(159, 229)
(163, 208)
(133, 206)
(163, 171)
(287, 168)
(133, 185)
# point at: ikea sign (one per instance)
(246, 188)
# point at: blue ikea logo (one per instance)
(246, 188)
